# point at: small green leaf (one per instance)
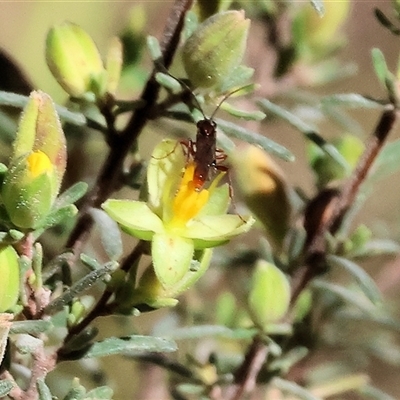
(100, 393)
(43, 390)
(154, 48)
(199, 332)
(109, 233)
(77, 391)
(31, 327)
(366, 283)
(294, 389)
(380, 66)
(83, 284)
(307, 130)
(6, 386)
(130, 344)
(347, 295)
(91, 262)
(251, 137)
(71, 195)
(351, 100)
(168, 82)
(28, 344)
(239, 113)
(377, 247)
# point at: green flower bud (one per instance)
(150, 291)
(269, 296)
(37, 164)
(74, 60)
(264, 188)
(9, 282)
(216, 48)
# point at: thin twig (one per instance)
(246, 375)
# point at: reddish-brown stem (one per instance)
(246, 374)
(315, 251)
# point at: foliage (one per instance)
(146, 233)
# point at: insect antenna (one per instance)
(185, 86)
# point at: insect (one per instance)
(203, 150)
(205, 154)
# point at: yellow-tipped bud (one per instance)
(264, 189)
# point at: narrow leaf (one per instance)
(307, 130)
(198, 332)
(129, 344)
(380, 66)
(43, 390)
(6, 386)
(31, 327)
(251, 137)
(379, 318)
(294, 389)
(154, 48)
(347, 295)
(109, 233)
(83, 284)
(378, 247)
(19, 101)
(351, 100)
(71, 195)
(239, 113)
(100, 393)
(366, 283)
(168, 82)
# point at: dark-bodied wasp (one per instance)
(203, 150)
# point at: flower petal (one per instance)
(164, 173)
(217, 228)
(172, 256)
(135, 217)
(218, 202)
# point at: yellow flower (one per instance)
(178, 217)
